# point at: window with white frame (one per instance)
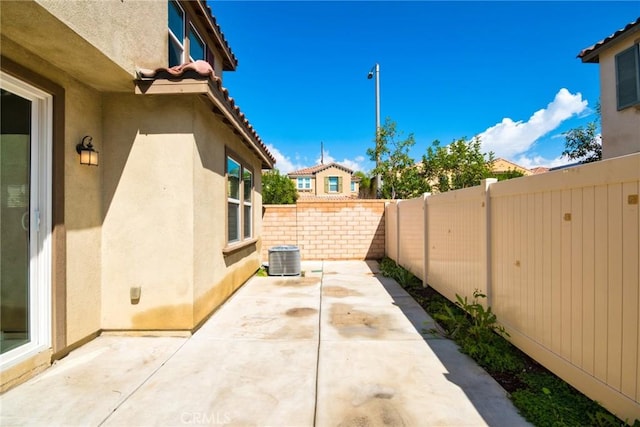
(233, 200)
(239, 201)
(304, 183)
(353, 186)
(176, 34)
(628, 77)
(185, 44)
(247, 179)
(196, 45)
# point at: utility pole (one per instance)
(375, 71)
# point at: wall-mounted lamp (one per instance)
(88, 155)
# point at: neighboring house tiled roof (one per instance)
(200, 70)
(318, 168)
(539, 169)
(332, 197)
(590, 54)
(510, 165)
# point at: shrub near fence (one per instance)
(558, 256)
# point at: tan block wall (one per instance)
(326, 230)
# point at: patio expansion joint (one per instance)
(142, 383)
(315, 403)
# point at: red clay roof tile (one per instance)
(589, 54)
(202, 69)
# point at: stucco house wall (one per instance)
(620, 129)
(152, 215)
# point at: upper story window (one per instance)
(628, 77)
(333, 184)
(176, 34)
(196, 45)
(353, 186)
(185, 44)
(304, 183)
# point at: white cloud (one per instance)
(531, 162)
(353, 164)
(283, 163)
(508, 138)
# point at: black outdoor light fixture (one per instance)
(88, 155)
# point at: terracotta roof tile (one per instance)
(539, 169)
(207, 14)
(589, 54)
(338, 197)
(202, 69)
(315, 169)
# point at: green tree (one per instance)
(583, 144)
(461, 164)
(503, 176)
(278, 189)
(401, 177)
(366, 189)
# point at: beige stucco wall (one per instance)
(118, 37)
(165, 213)
(83, 213)
(216, 275)
(620, 129)
(148, 205)
(333, 171)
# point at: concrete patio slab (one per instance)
(84, 388)
(266, 318)
(236, 383)
(340, 346)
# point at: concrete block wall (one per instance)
(326, 230)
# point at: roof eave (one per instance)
(203, 11)
(591, 54)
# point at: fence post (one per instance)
(425, 249)
(485, 236)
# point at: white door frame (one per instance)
(40, 221)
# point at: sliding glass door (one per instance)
(25, 200)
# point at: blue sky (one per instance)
(506, 71)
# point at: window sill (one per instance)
(234, 247)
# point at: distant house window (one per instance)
(304, 183)
(353, 186)
(628, 77)
(333, 184)
(181, 29)
(239, 201)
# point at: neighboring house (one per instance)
(330, 180)
(167, 225)
(619, 59)
(502, 166)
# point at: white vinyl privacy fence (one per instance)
(558, 256)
